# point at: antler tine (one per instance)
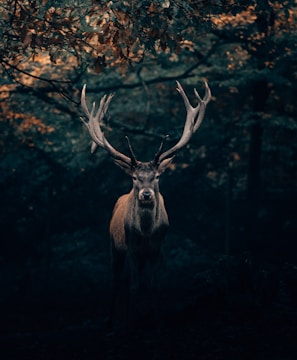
(203, 102)
(159, 152)
(132, 154)
(93, 125)
(83, 101)
(193, 120)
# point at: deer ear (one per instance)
(164, 164)
(124, 166)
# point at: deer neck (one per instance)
(145, 217)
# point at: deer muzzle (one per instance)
(146, 196)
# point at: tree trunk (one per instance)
(260, 95)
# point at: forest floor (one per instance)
(269, 334)
(211, 307)
(237, 330)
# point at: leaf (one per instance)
(27, 39)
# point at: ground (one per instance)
(210, 306)
(255, 333)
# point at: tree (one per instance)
(246, 50)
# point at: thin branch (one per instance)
(50, 81)
(36, 91)
(147, 94)
(40, 94)
(137, 130)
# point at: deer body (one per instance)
(139, 221)
(138, 225)
(129, 217)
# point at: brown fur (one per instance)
(123, 213)
(117, 226)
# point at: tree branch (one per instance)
(185, 74)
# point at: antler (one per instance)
(193, 121)
(97, 135)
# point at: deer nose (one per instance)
(147, 195)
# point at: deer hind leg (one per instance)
(143, 289)
(118, 286)
(133, 288)
(152, 291)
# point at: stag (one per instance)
(139, 220)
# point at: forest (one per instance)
(229, 273)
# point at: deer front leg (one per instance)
(133, 291)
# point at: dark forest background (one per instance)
(229, 288)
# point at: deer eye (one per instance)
(157, 177)
(134, 178)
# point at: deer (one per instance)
(139, 220)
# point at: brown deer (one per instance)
(139, 220)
